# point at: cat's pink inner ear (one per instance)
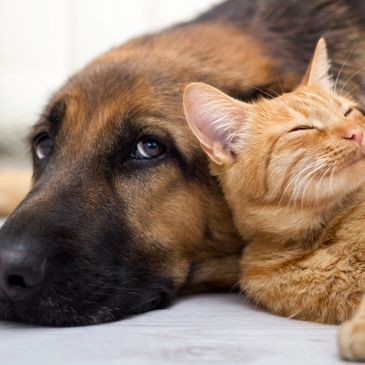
(212, 117)
(318, 71)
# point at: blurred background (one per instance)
(43, 42)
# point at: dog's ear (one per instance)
(318, 70)
(215, 118)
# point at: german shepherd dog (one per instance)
(123, 213)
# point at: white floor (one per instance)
(204, 329)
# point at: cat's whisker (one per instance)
(350, 78)
(318, 186)
(263, 91)
(341, 69)
(281, 88)
(313, 167)
(331, 175)
(299, 177)
(312, 175)
(298, 183)
(349, 93)
(284, 193)
(299, 186)
(310, 166)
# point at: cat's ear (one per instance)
(214, 118)
(318, 70)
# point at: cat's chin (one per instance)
(354, 162)
(358, 162)
(352, 176)
(346, 180)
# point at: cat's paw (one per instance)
(351, 339)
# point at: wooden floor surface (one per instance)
(203, 329)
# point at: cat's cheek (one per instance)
(352, 177)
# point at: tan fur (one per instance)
(174, 217)
(298, 195)
(14, 184)
(184, 227)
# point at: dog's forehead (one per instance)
(106, 96)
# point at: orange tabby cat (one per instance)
(293, 171)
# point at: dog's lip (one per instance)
(46, 312)
(22, 315)
(159, 300)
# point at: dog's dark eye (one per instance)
(43, 146)
(301, 128)
(148, 148)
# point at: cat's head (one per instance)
(294, 156)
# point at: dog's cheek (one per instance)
(167, 218)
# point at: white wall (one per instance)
(42, 42)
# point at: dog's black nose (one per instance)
(21, 273)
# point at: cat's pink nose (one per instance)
(354, 133)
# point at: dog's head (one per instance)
(123, 212)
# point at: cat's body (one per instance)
(293, 172)
(306, 253)
(322, 280)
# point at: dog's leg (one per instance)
(14, 185)
(351, 336)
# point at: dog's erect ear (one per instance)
(215, 118)
(318, 70)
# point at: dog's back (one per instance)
(290, 29)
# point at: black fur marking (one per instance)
(92, 275)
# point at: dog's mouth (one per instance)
(54, 275)
(52, 314)
(60, 309)
(86, 293)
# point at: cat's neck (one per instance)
(296, 224)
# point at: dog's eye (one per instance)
(43, 146)
(148, 148)
(301, 128)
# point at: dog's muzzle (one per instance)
(22, 269)
(59, 268)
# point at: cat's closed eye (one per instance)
(352, 109)
(301, 128)
(349, 111)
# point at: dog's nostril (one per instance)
(17, 281)
(22, 273)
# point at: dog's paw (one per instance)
(351, 339)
